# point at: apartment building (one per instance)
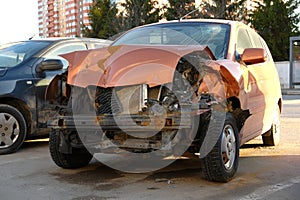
(62, 18)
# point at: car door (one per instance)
(44, 110)
(256, 102)
(267, 82)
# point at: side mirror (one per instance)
(252, 56)
(49, 65)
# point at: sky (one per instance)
(18, 20)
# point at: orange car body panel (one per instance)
(127, 65)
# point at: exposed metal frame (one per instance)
(292, 83)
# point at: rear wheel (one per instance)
(272, 137)
(79, 157)
(222, 162)
(13, 129)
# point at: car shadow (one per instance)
(252, 145)
(28, 144)
(102, 177)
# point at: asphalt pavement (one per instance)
(264, 173)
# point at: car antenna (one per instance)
(184, 16)
(31, 37)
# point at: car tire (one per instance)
(272, 137)
(13, 129)
(221, 163)
(79, 157)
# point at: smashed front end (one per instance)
(139, 99)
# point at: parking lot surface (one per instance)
(264, 173)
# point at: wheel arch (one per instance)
(235, 102)
(234, 107)
(22, 107)
(280, 104)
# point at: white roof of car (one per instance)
(221, 21)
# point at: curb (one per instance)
(290, 91)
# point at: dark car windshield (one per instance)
(12, 54)
(214, 35)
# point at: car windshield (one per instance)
(12, 54)
(213, 35)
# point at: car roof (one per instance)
(219, 21)
(55, 40)
(58, 39)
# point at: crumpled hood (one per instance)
(127, 65)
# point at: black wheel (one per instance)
(272, 137)
(79, 157)
(13, 129)
(222, 162)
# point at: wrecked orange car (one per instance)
(190, 87)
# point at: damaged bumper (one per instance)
(139, 123)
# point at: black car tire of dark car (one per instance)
(79, 157)
(13, 129)
(216, 166)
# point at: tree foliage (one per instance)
(178, 8)
(220, 9)
(139, 12)
(103, 20)
(224, 9)
(276, 21)
(106, 20)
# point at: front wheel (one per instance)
(79, 157)
(222, 162)
(13, 129)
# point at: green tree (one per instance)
(139, 12)
(220, 9)
(276, 21)
(224, 9)
(179, 8)
(103, 20)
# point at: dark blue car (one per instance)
(26, 68)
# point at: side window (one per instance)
(259, 42)
(256, 39)
(66, 48)
(243, 41)
(265, 46)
